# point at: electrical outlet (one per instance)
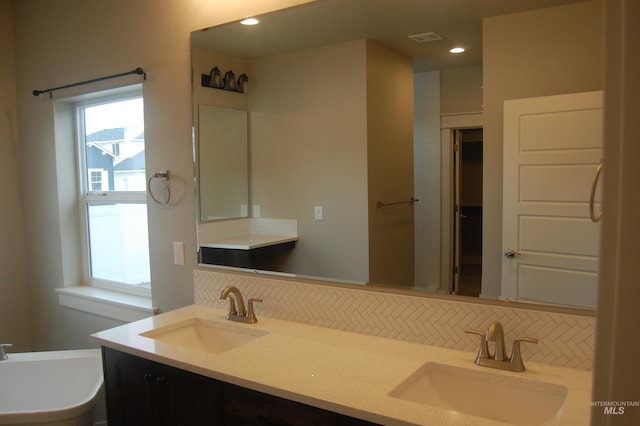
(256, 210)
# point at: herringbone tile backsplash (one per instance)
(565, 340)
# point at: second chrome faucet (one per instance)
(241, 314)
(495, 333)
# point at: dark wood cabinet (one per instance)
(268, 258)
(247, 407)
(143, 392)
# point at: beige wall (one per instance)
(14, 304)
(308, 148)
(389, 96)
(461, 90)
(617, 377)
(546, 52)
(427, 178)
(64, 41)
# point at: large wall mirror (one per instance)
(356, 113)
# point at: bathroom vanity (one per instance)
(254, 243)
(144, 392)
(192, 364)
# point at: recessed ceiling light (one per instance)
(250, 21)
(457, 50)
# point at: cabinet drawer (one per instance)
(246, 407)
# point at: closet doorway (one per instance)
(467, 211)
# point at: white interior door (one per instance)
(552, 148)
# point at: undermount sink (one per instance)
(204, 336)
(485, 394)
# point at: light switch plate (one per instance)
(318, 213)
(178, 253)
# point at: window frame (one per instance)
(86, 197)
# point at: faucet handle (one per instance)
(516, 354)
(525, 339)
(483, 352)
(3, 354)
(251, 316)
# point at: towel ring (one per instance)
(164, 176)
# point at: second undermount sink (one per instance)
(204, 336)
(515, 400)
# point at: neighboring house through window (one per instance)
(112, 181)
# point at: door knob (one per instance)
(511, 253)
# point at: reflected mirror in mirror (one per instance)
(223, 176)
(353, 127)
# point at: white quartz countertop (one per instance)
(344, 372)
(249, 241)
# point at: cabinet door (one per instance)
(195, 399)
(142, 392)
(127, 389)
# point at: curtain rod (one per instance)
(138, 71)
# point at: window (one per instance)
(98, 180)
(112, 182)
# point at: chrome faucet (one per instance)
(241, 314)
(3, 354)
(495, 333)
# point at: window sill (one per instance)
(106, 303)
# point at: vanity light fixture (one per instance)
(457, 50)
(250, 21)
(228, 82)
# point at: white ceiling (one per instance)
(389, 22)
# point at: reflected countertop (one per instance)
(340, 371)
(249, 241)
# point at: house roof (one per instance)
(105, 135)
(112, 135)
(132, 163)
